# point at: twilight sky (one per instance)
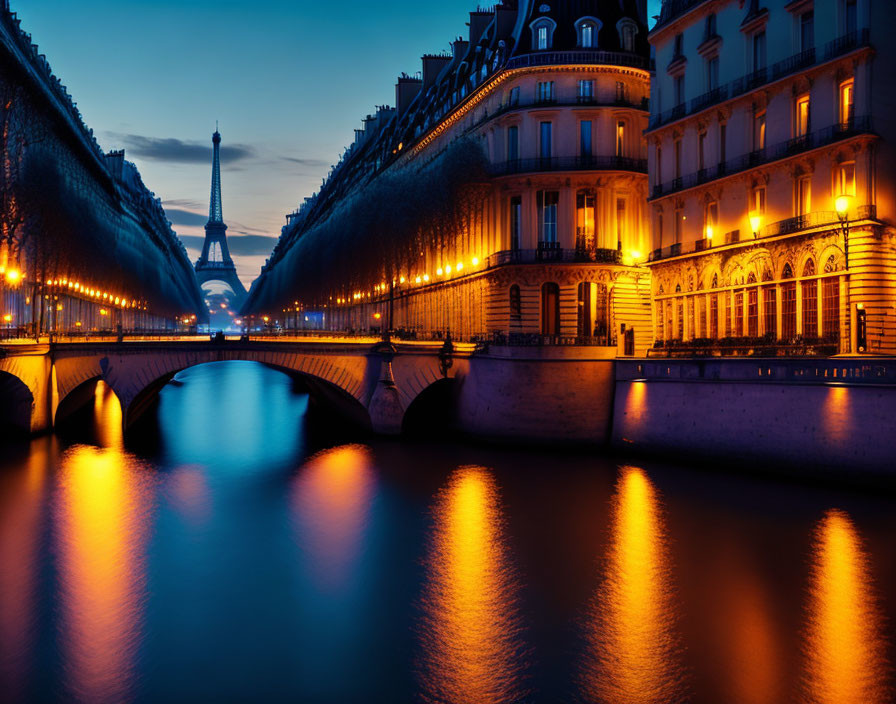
(288, 80)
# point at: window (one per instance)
(711, 26)
(620, 222)
(515, 95)
(727, 296)
(759, 131)
(691, 333)
(712, 73)
(680, 312)
(585, 138)
(788, 305)
(757, 200)
(679, 45)
(810, 301)
(770, 303)
(550, 309)
(845, 180)
(586, 91)
(710, 219)
(620, 138)
(547, 216)
(542, 33)
(659, 229)
(545, 138)
(714, 316)
(807, 30)
(516, 221)
(850, 15)
(627, 31)
(679, 90)
(585, 231)
(587, 40)
(739, 314)
(516, 304)
(847, 101)
(543, 37)
(830, 309)
(802, 116)
(759, 51)
(513, 143)
(804, 195)
(723, 143)
(753, 312)
(701, 302)
(658, 174)
(679, 223)
(677, 158)
(701, 151)
(545, 92)
(593, 311)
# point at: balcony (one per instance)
(552, 252)
(783, 150)
(563, 163)
(606, 58)
(745, 84)
(789, 226)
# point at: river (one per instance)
(230, 560)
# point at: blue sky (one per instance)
(288, 80)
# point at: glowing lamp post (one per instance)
(842, 204)
(755, 223)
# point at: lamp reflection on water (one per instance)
(633, 651)
(472, 647)
(845, 649)
(101, 529)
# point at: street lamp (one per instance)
(755, 222)
(842, 204)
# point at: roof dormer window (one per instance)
(543, 33)
(627, 29)
(586, 32)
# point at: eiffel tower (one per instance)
(220, 267)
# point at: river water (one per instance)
(229, 562)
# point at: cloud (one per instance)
(184, 203)
(179, 151)
(240, 246)
(178, 216)
(307, 161)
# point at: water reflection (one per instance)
(101, 528)
(22, 497)
(846, 661)
(471, 633)
(633, 653)
(332, 503)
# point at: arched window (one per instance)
(788, 304)
(586, 32)
(543, 33)
(593, 305)
(516, 305)
(830, 308)
(550, 309)
(627, 29)
(831, 265)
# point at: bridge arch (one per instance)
(16, 404)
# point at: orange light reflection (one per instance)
(845, 649)
(471, 633)
(634, 655)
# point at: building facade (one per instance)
(770, 150)
(544, 240)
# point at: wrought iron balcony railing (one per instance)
(563, 163)
(789, 226)
(608, 58)
(744, 84)
(552, 252)
(783, 150)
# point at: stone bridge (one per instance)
(375, 383)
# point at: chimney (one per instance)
(432, 67)
(405, 91)
(459, 48)
(479, 21)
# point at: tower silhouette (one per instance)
(218, 268)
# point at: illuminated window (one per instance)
(727, 296)
(788, 305)
(542, 37)
(586, 91)
(802, 116)
(753, 312)
(770, 305)
(739, 313)
(702, 303)
(585, 230)
(587, 29)
(585, 138)
(710, 219)
(516, 221)
(845, 184)
(588, 35)
(620, 222)
(543, 33)
(757, 200)
(759, 131)
(847, 101)
(550, 309)
(691, 333)
(620, 92)
(804, 195)
(830, 310)
(714, 316)
(680, 311)
(810, 301)
(545, 91)
(620, 138)
(660, 329)
(547, 216)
